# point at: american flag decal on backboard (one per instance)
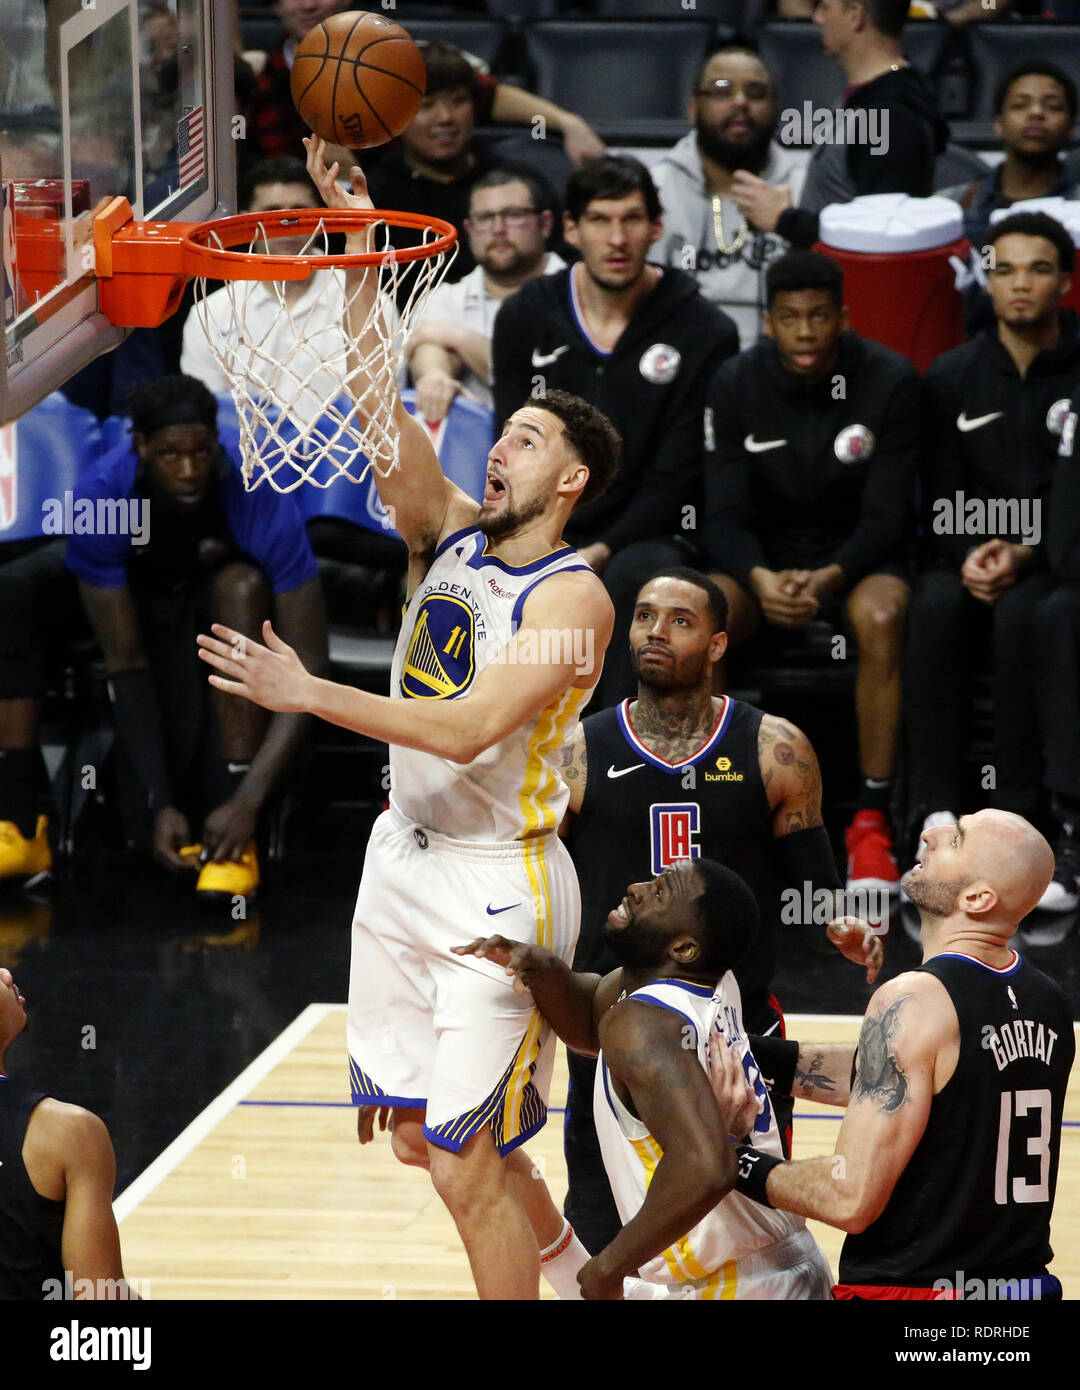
(191, 146)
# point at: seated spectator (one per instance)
(993, 426)
(809, 504)
(734, 114)
(640, 343)
(1057, 671)
(433, 167)
(509, 227)
(886, 95)
(1035, 114)
(278, 130)
(193, 548)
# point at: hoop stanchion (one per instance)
(310, 339)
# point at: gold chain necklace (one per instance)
(718, 229)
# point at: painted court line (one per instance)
(218, 1108)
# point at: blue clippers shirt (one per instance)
(264, 524)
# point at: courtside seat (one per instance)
(39, 462)
(620, 75)
(997, 48)
(956, 165)
(792, 49)
(485, 38)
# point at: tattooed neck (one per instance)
(675, 724)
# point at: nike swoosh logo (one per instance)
(494, 911)
(611, 772)
(542, 359)
(963, 424)
(759, 446)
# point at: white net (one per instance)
(313, 365)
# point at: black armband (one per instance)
(777, 1059)
(754, 1170)
(138, 726)
(807, 865)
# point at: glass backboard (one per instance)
(99, 98)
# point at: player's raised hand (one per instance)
(738, 1104)
(272, 676)
(860, 942)
(325, 178)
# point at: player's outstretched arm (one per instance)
(907, 1050)
(792, 778)
(808, 1071)
(572, 1003)
(645, 1049)
(422, 501)
(69, 1154)
(540, 663)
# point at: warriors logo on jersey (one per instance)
(439, 660)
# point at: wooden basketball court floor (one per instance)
(267, 1195)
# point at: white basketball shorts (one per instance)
(445, 1033)
(792, 1269)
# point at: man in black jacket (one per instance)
(809, 488)
(883, 136)
(995, 411)
(640, 343)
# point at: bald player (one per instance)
(947, 1158)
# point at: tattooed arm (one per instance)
(907, 1052)
(792, 778)
(823, 1072)
(574, 770)
(652, 1068)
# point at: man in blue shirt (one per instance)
(163, 537)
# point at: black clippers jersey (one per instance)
(30, 1225)
(976, 1196)
(640, 814)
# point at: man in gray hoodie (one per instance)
(734, 114)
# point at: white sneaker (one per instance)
(1062, 893)
(934, 819)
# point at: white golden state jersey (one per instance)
(705, 1257)
(462, 616)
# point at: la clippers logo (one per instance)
(673, 830)
(8, 501)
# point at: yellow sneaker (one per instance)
(20, 858)
(231, 878)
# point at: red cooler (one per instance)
(1067, 212)
(898, 282)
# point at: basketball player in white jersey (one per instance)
(501, 645)
(663, 1134)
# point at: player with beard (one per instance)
(734, 114)
(660, 1018)
(674, 774)
(946, 1161)
(483, 697)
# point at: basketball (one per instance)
(358, 79)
